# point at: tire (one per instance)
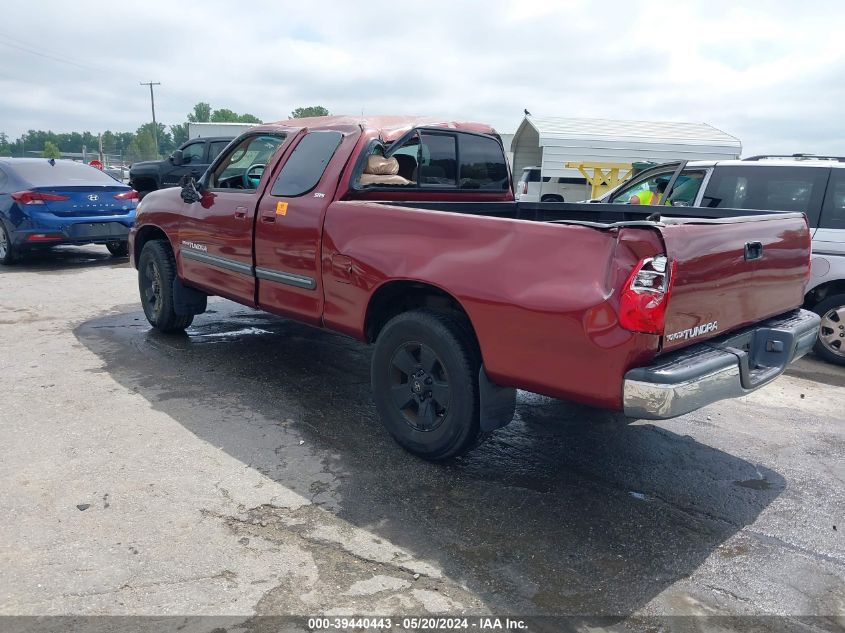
(156, 273)
(118, 249)
(551, 198)
(425, 384)
(8, 253)
(831, 343)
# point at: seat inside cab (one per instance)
(386, 171)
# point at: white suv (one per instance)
(534, 187)
(814, 185)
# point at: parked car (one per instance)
(405, 234)
(811, 184)
(192, 159)
(48, 202)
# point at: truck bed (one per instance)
(541, 282)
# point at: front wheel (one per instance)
(425, 384)
(118, 249)
(156, 274)
(831, 343)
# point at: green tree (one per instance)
(179, 133)
(5, 146)
(224, 115)
(133, 152)
(109, 143)
(201, 113)
(159, 133)
(309, 111)
(51, 150)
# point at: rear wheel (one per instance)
(425, 384)
(8, 252)
(156, 274)
(551, 198)
(831, 343)
(118, 249)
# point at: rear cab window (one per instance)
(768, 188)
(432, 159)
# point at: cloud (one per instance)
(769, 73)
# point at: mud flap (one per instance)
(188, 300)
(497, 404)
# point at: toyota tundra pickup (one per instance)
(404, 233)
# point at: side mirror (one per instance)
(176, 158)
(190, 190)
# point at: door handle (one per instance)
(240, 213)
(268, 218)
(753, 250)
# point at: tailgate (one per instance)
(733, 272)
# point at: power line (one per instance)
(153, 104)
(12, 44)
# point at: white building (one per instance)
(551, 142)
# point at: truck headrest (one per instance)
(381, 166)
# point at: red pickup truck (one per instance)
(404, 233)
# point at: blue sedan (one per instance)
(44, 202)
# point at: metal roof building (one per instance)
(551, 142)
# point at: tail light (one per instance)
(128, 195)
(525, 187)
(36, 197)
(642, 307)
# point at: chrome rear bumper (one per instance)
(726, 367)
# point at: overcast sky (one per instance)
(770, 73)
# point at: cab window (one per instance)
(481, 164)
(437, 160)
(243, 165)
(306, 164)
(214, 149)
(194, 152)
(438, 167)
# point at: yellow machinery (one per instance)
(602, 176)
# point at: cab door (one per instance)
(215, 250)
(289, 224)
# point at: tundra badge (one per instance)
(698, 330)
(195, 246)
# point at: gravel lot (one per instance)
(241, 470)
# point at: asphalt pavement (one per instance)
(241, 470)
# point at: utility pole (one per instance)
(153, 104)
